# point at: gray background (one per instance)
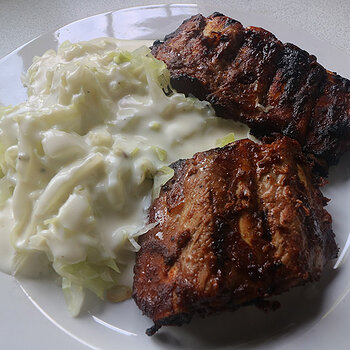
(23, 20)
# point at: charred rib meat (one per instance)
(234, 225)
(247, 74)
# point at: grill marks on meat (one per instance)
(244, 81)
(235, 225)
(293, 91)
(249, 75)
(238, 224)
(329, 131)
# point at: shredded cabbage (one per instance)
(221, 142)
(82, 158)
(160, 152)
(163, 175)
(74, 294)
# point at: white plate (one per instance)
(315, 316)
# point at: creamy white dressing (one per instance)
(7, 251)
(81, 155)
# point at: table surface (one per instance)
(23, 20)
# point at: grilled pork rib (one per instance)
(234, 225)
(249, 75)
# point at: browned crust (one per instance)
(242, 70)
(235, 225)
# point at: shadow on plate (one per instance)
(340, 173)
(250, 327)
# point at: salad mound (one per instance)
(83, 157)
